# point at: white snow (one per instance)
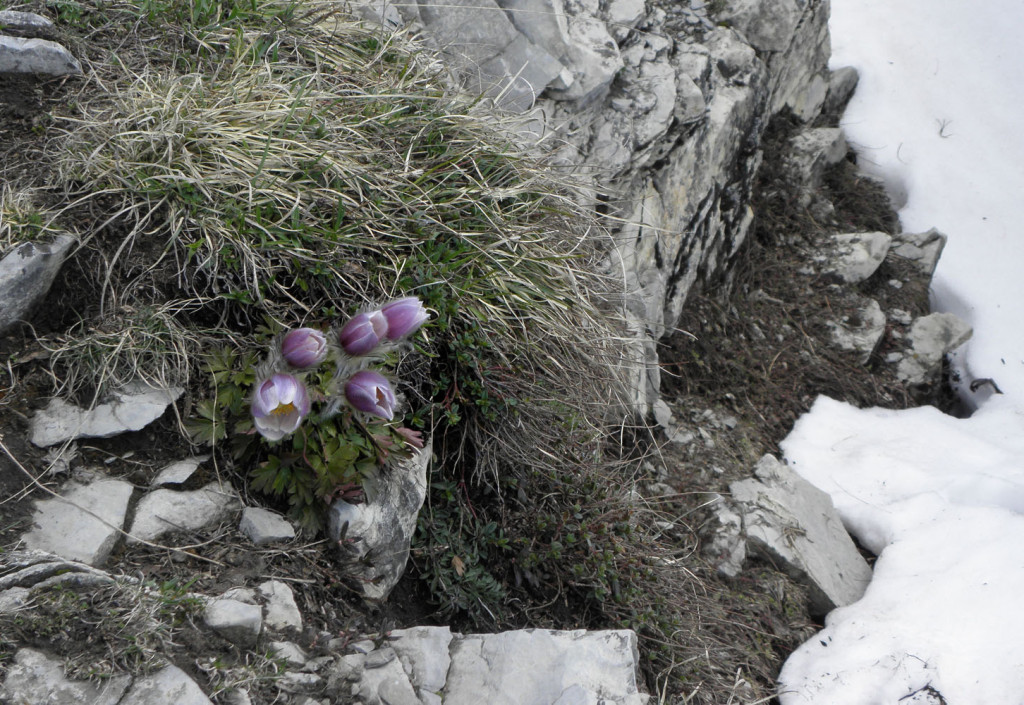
(939, 499)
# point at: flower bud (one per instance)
(279, 405)
(304, 347)
(369, 391)
(363, 333)
(404, 317)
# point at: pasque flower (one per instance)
(404, 316)
(370, 391)
(279, 405)
(304, 347)
(362, 334)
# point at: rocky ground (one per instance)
(217, 596)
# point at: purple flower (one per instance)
(369, 391)
(404, 316)
(279, 405)
(304, 347)
(363, 333)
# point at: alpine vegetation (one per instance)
(311, 455)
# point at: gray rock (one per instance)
(26, 274)
(84, 523)
(37, 56)
(163, 511)
(385, 682)
(662, 413)
(263, 526)
(799, 74)
(921, 249)
(178, 473)
(594, 59)
(622, 16)
(236, 696)
(13, 599)
(290, 652)
(26, 24)
(292, 682)
(858, 255)
(168, 686)
(735, 59)
(842, 84)
(430, 665)
(794, 524)
(727, 546)
(810, 153)
(861, 333)
(516, 667)
(517, 75)
(40, 569)
(238, 622)
(769, 25)
(375, 536)
(132, 408)
(280, 612)
(38, 679)
(931, 338)
(423, 652)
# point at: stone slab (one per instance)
(163, 511)
(794, 524)
(37, 56)
(131, 409)
(67, 527)
(36, 678)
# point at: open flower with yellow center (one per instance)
(279, 405)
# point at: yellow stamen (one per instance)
(283, 409)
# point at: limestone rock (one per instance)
(385, 681)
(179, 472)
(517, 75)
(430, 665)
(423, 652)
(375, 536)
(238, 622)
(84, 523)
(131, 409)
(810, 153)
(931, 338)
(493, 56)
(168, 686)
(727, 546)
(861, 333)
(263, 526)
(768, 25)
(794, 524)
(592, 57)
(799, 74)
(858, 255)
(163, 511)
(922, 249)
(13, 599)
(280, 612)
(735, 59)
(290, 652)
(622, 16)
(38, 56)
(841, 86)
(26, 274)
(38, 679)
(26, 24)
(516, 667)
